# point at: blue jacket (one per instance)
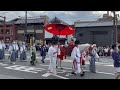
(43, 51)
(116, 58)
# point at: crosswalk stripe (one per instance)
(46, 74)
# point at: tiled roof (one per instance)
(57, 20)
(36, 20)
(95, 23)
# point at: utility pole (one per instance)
(115, 26)
(25, 27)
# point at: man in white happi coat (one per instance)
(75, 55)
(52, 53)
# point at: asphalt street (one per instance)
(23, 70)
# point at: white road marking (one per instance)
(68, 74)
(43, 65)
(25, 68)
(102, 72)
(59, 76)
(109, 65)
(46, 74)
(3, 64)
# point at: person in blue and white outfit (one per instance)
(116, 58)
(16, 49)
(12, 52)
(3, 50)
(23, 52)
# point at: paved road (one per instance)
(23, 70)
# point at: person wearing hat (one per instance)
(75, 55)
(52, 54)
(23, 52)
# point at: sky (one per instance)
(67, 16)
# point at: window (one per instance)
(99, 32)
(7, 31)
(1, 31)
(1, 38)
(80, 34)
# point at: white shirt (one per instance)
(51, 52)
(10, 49)
(1, 46)
(22, 48)
(16, 46)
(106, 50)
(75, 53)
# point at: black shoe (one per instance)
(56, 66)
(74, 73)
(42, 61)
(82, 74)
(61, 68)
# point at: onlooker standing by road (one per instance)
(43, 52)
(116, 58)
(106, 51)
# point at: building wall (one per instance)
(7, 35)
(36, 29)
(102, 36)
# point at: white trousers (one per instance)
(76, 65)
(52, 65)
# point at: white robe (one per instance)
(75, 55)
(16, 47)
(52, 57)
(22, 48)
(1, 46)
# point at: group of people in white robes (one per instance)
(75, 55)
(2, 50)
(14, 50)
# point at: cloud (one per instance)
(67, 16)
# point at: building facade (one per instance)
(34, 31)
(8, 33)
(100, 32)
